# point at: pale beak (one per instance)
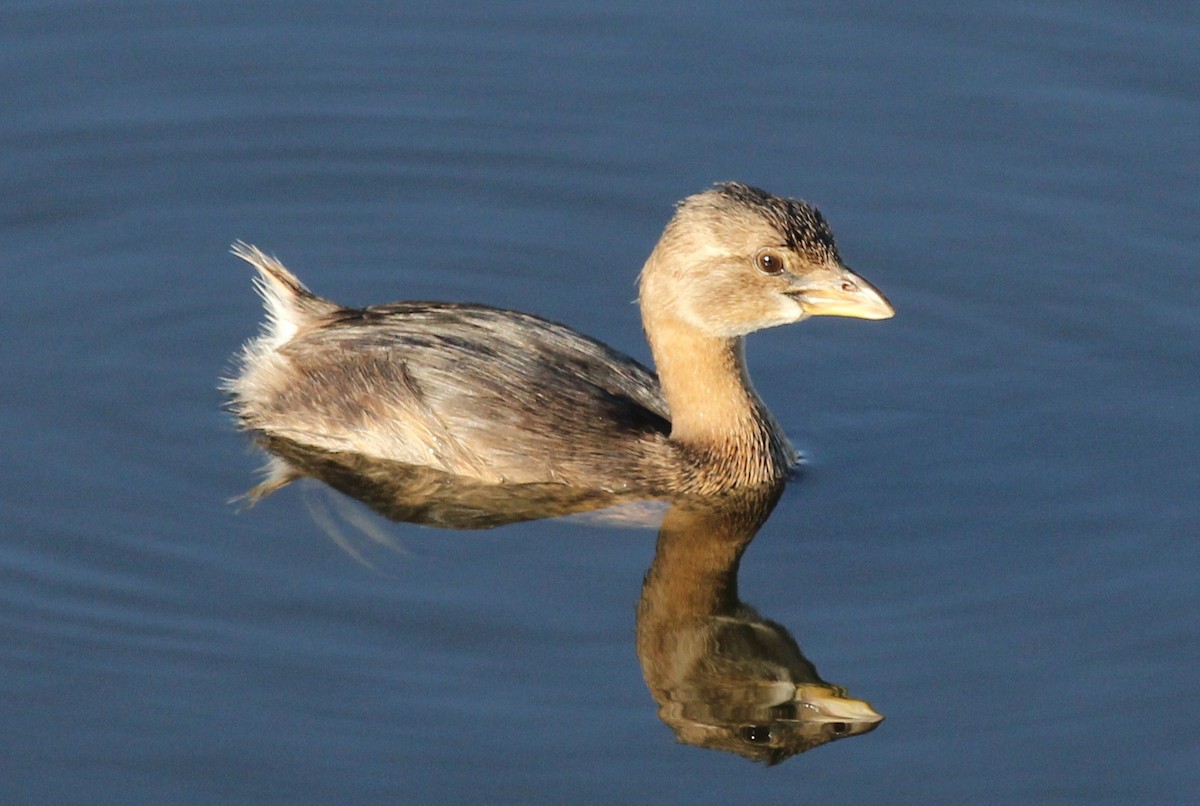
(837, 291)
(823, 704)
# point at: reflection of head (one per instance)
(724, 677)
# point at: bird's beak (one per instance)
(825, 704)
(837, 291)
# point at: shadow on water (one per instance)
(723, 676)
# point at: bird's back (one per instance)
(476, 391)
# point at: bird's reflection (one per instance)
(723, 676)
(412, 494)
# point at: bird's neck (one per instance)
(714, 408)
(704, 380)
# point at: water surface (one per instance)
(993, 543)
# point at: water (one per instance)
(994, 542)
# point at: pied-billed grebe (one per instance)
(506, 397)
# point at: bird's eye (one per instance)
(755, 734)
(768, 262)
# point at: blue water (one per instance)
(994, 543)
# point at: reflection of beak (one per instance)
(837, 291)
(823, 704)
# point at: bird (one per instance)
(504, 397)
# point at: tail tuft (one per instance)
(290, 305)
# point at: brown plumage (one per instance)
(507, 397)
